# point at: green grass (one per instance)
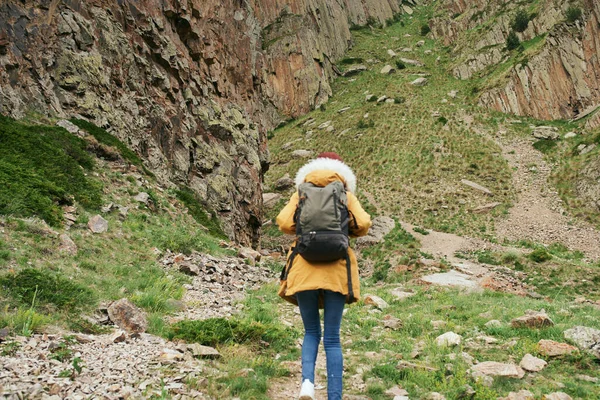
(199, 213)
(41, 169)
(106, 138)
(410, 162)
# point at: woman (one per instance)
(328, 285)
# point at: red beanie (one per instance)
(329, 154)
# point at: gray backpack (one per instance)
(322, 220)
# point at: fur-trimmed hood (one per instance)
(328, 164)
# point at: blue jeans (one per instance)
(308, 301)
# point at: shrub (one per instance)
(41, 169)
(425, 29)
(573, 14)
(521, 21)
(512, 41)
(106, 138)
(544, 145)
(47, 288)
(195, 208)
(539, 255)
(362, 124)
(216, 331)
(400, 64)
(442, 120)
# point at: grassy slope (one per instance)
(411, 166)
(119, 263)
(410, 161)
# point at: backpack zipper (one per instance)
(335, 204)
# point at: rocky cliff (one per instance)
(191, 86)
(557, 73)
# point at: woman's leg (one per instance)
(334, 309)
(308, 301)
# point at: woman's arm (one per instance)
(360, 221)
(285, 219)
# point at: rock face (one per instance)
(191, 86)
(560, 79)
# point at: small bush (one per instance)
(41, 169)
(363, 124)
(47, 288)
(216, 331)
(106, 138)
(545, 145)
(539, 255)
(399, 100)
(442, 120)
(425, 29)
(400, 64)
(197, 211)
(420, 230)
(521, 21)
(573, 14)
(512, 41)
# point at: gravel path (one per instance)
(538, 214)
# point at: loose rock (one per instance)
(270, 199)
(476, 186)
(557, 396)
(532, 319)
(127, 316)
(284, 183)
(493, 368)
(545, 132)
(448, 339)
(520, 395)
(532, 364)
(97, 224)
(375, 301)
(585, 338)
(551, 348)
(387, 70)
(419, 82)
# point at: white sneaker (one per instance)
(307, 391)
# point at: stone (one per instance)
(419, 82)
(189, 268)
(494, 323)
(354, 70)
(557, 396)
(284, 183)
(438, 324)
(343, 110)
(118, 336)
(570, 135)
(399, 294)
(201, 351)
(520, 395)
(392, 322)
(387, 70)
(420, 43)
(493, 368)
(67, 245)
(545, 132)
(409, 61)
(324, 125)
(97, 224)
(142, 197)
(391, 53)
(476, 186)
(376, 301)
(270, 199)
(452, 93)
(381, 99)
(68, 125)
(551, 348)
(396, 391)
(370, 97)
(532, 319)
(407, 9)
(434, 396)
(486, 208)
(127, 316)
(532, 364)
(380, 227)
(448, 339)
(452, 278)
(302, 153)
(170, 355)
(249, 254)
(587, 339)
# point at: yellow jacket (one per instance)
(304, 275)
